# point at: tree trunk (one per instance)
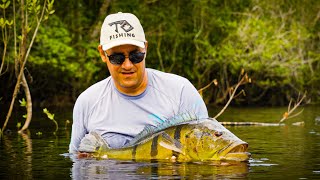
(24, 53)
(95, 31)
(26, 89)
(3, 58)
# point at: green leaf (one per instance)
(9, 23)
(23, 102)
(18, 125)
(7, 4)
(51, 116)
(2, 24)
(24, 116)
(50, 3)
(28, 29)
(51, 12)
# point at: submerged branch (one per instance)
(287, 114)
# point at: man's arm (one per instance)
(78, 127)
(192, 102)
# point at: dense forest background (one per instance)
(277, 42)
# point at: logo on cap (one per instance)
(124, 25)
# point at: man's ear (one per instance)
(146, 45)
(102, 54)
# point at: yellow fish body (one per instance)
(197, 140)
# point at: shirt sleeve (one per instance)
(78, 126)
(191, 102)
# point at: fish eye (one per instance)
(218, 133)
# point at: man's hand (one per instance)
(84, 155)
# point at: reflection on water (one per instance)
(112, 169)
(16, 155)
(281, 152)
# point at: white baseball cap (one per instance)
(121, 28)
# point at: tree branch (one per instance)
(287, 114)
(18, 83)
(242, 81)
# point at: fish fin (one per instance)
(170, 143)
(92, 142)
(167, 137)
(170, 146)
(149, 130)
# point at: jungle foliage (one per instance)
(276, 42)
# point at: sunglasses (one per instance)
(119, 58)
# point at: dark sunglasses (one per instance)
(118, 58)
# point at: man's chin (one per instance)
(128, 85)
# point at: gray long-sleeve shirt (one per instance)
(118, 117)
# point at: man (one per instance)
(120, 106)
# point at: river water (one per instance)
(278, 152)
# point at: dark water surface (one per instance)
(278, 152)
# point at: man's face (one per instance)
(129, 78)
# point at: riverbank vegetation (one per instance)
(275, 42)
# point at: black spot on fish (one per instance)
(177, 136)
(134, 152)
(154, 147)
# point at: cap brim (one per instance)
(122, 42)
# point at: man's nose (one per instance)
(127, 64)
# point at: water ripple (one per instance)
(260, 162)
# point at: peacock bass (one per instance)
(192, 140)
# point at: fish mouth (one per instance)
(237, 153)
